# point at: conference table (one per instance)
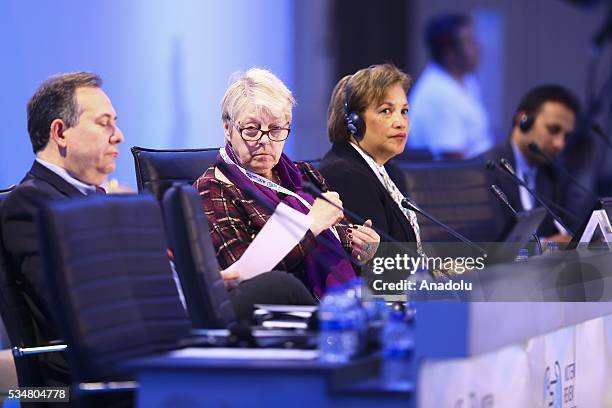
(267, 378)
(543, 337)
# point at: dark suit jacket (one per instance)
(361, 192)
(548, 184)
(20, 243)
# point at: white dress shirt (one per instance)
(447, 115)
(86, 189)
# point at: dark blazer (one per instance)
(361, 192)
(20, 243)
(548, 184)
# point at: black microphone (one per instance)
(412, 206)
(497, 192)
(505, 167)
(533, 147)
(509, 171)
(505, 164)
(311, 189)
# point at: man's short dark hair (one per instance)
(441, 33)
(56, 99)
(536, 97)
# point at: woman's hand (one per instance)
(364, 241)
(325, 215)
(231, 278)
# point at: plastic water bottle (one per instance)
(338, 338)
(523, 255)
(357, 315)
(353, 333)
(331, 326)
(376, 311)
(373, 306)
(398, 343)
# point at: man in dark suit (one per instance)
(546, 116)
(74, 135)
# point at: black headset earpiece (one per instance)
(354, 122)
(525, 122)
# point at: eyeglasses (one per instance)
(253, 133)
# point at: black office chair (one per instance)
(156, 170)
(208, 301)
(458, 194)
(111, 284)
(196, 263)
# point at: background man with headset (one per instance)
(544, 119)
(447, 114)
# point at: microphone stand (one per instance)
(506, 168)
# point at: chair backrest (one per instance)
(156, 170)
(415, 155)
(194, 256)
(457, 193)
(110, 281)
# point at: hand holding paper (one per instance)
(283, 231)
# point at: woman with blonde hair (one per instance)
(256, 116)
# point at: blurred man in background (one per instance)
(446, 111)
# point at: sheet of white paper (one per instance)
(244, 353)
(283, 231)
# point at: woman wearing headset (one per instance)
(367, 122)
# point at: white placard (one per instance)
(599, 218)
